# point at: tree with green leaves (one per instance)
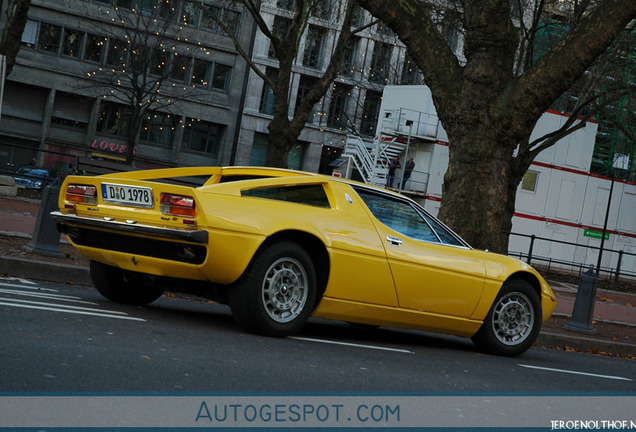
(490, 97)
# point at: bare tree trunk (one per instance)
(17, 11)
(133, 136)
(485, 109)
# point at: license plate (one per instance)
(129, 195)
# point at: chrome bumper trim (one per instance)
(193, 236)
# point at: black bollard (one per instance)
(46, 237)
(583, 312)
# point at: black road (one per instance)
(62, 338)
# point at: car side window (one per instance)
(399, 216)
(313, 195)
(442, 232)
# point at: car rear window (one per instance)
(313, 195)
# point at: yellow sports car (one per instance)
(280, 245)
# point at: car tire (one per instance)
(277, 292)
(123, 286)
(513, 321)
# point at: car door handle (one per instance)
(394, 240)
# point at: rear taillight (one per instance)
(81, 194)
(177, 205)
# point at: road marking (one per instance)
(33, 286)
(63, 306)
(24, 281)
(576, 373)
(351, 344)
(71, 299)
(78, 312)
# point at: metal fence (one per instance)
(557, 266)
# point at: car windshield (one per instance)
(33, 172)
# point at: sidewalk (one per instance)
(614, 313)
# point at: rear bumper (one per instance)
(185, 246)
(192, 236)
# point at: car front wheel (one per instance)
(123, 286)
(513, 322)
(277, 293)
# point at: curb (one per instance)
(585, 344)
(40, 270)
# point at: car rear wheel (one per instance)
(513, 322)
(123, 286)
(278, 291)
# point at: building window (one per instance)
(221, 76)
(228, 17)
(126, 4)
(168, 9)
(71, 111)
(338, 109)
(260, 147)
(231, 19)
(116, 53)
(287, 5)
(281, 30)
(370, 112)
(313, 47)
(321, 9)
(359, 18)
(179, 67)
(258, 157)
(380, 62)
(410, 72)
(529, 181)
(159, 64)
(190, 13)
(72, 43)
(94, 48)
(267, 96)
(305, 84)
(296, 156)
(384, 31)
(114, 119)
(158, 128)
(201, 136)
(200, 72)
(30, 33)
(24, 101)
(50, 35)
(350, 57)
(147, 7)
(207, 20)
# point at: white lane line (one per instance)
(15, 279)
(576, 373)
(63, 306)
(65, 309)
(31, 287)
(71, 299)
(351, 344)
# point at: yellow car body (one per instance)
(365, 270)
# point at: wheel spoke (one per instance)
(513, 318)
(285, 290)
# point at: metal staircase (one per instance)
(372, 157)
